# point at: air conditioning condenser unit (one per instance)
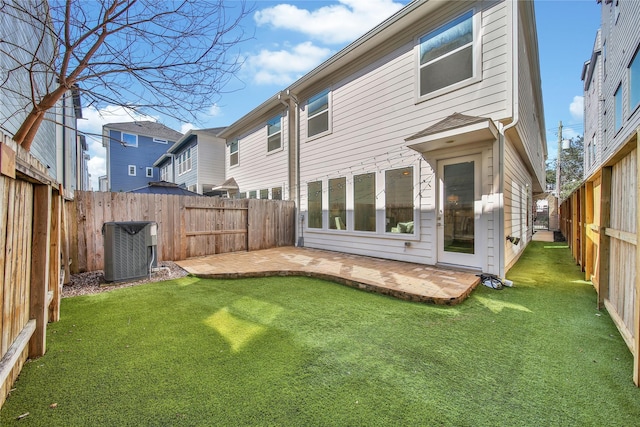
(130, 249)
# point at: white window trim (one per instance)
(281, 147)
(122, 134)
(237, 152)
(477, 60)
(329, 115)
(131, 168)
(149, 172)
(634, 58)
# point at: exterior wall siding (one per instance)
(258, 169)
(211, 166)
(142, 156)
(620, 34)
(374, 109)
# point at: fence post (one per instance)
(41, 241)
(604, 246)
(636, 308)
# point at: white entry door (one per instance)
(459, 212)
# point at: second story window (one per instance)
(634, 82)
(129, 139)
(617, 108)
(274, 133)
(318, 114)
(164, 173)
(233, 153)
(132, 170)
(184, 161)
(446, 55)
(149, 172)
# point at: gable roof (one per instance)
(164, 187)
(184, 139)
(146, 128)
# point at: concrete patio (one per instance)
(414, 282)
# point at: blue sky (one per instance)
(292, 37)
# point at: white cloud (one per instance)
(91, 126)
(338, 23)
(215, 110)
(284, 66)
(186, 127)
(576, 108)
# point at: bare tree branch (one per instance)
(168, 56)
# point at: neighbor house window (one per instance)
(338, 204)
(634, 81)
(160, 141)
(276, 193)
(314, 200)
(364, 202)
(274, 133)
(398, 192)
(149, 172)
(318, 114)
(446, 55)
(164, 173)
(132, 170)
(253, 194)
(233, 153)
(184, 161)
(264, 193)
(617, 108)
(129, 139)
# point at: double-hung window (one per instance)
(164, 173)
(274, 133)
(184, 161)
(617, 108)
(149, 172)
(132, 170)
(318, 114)
(129, 139)
(233, 153)
(634, 82)
(447, 55)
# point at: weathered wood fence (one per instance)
(188, 226)
(32, 225)
(600, 222)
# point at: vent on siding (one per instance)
(129, 249)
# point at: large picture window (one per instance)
(446, 55)
(233, 153)
(314, 198)
(617, 108)
(364, 202)
(338, 204)
(398, 191)
(318, 114)
(634, 82)
(274, 133)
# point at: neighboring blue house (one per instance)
(196, 161)
(132, 148)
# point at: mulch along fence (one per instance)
(188, 226)
(32, 225)
(600, 221)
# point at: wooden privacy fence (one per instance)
(188, 226)
(32, 232)
(600, 222)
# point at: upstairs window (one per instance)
(184, 161)
(274, 133)
(634, 82)
(318, 114)
(446, 55)
(164, 173)
(233, 153)
(129, 139)
(149, 172)
(132, 170)
(617, 108)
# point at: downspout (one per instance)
(296, 136)
(515, 22)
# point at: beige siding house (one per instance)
(421, 141)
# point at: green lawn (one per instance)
(304, 352)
